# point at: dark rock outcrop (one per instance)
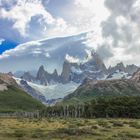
(45, 77)
(42, 76)
(67, 73)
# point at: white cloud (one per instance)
(94, 40)
(89, 14)
(21, 50)
(118, 34)
(71, 59)
(48, 55)
(49, 52)
(92, 8)
(82, 16)
(22, 12)
(60, 28)
(118, 56)
(123, 27)
(121, 21)
(1, 41)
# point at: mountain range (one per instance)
(50, 88)
(56, 67)
(91, 89)
(94, 68)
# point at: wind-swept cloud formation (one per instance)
(115, 25)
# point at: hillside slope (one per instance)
(91, 89)
(12, 98)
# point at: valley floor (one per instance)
(69, 129)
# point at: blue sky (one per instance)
(6, 45)
(115, 25)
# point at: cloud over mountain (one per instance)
(115, 26)
(48, 52)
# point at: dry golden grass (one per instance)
(69, 129)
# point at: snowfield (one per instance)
(119, 75)
(55, 91)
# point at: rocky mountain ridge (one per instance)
(130, 69)
(90, 89)
(93, 68)
(77, 72)
(73, 74)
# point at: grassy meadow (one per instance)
(69, 129)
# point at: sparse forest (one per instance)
(117, 107)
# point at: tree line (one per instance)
(117, 107)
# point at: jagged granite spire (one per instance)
(41, 76)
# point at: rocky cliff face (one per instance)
(93, 68)
(119, 66)
(94, 64)
(130, 69)
(66, 75)
(66, 72)
(42, 76)
(54, 77)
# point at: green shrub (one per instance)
(19, 133)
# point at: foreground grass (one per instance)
(69, 129)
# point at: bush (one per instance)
(19, 133)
